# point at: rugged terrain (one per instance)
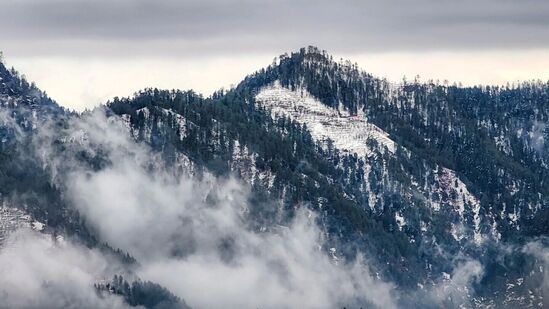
(438, 192)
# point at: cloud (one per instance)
(9, 129)
(192, 235)
(39, 272)
(85, 52)
(193, 28)
(540, 251)
(537, 136)
(456, 288)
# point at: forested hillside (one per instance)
(442, 189)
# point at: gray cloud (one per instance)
(540, 251)
(191, 235)
(195, 27)
(202, 251)
(38, 272)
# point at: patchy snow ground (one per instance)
(351, 133)
(12, 219)
(348, 133)
(244, 163)
(451, 190)
(180, 121)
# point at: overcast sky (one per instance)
(85, 52)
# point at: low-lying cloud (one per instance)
(37, 271)
(190, 235)
(203, 250)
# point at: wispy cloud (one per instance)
(39, 272)
(192, 236)
(201, 250)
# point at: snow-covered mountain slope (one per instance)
(405, 175)
(353, 134)
(349, 133)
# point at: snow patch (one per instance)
(400, 220)
(38, 226)
(347, 132)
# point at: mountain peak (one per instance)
(335, 84)
(308, 53)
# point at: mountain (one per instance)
(441, 189)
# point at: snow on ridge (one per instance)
(348, 133)
(181, 121)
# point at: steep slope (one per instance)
(36, 215)
(436, 129)
(374, 160)
(23, 109)
(443, 189)
(287, 168)
(494, 137)
(353, 134)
